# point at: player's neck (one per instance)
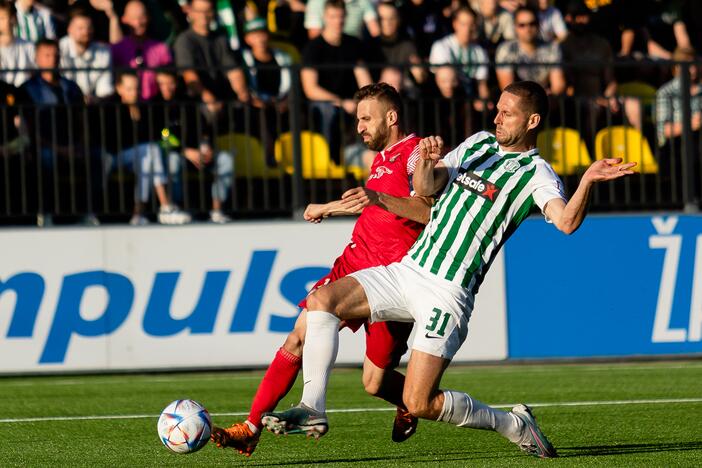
(393, 139)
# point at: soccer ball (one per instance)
(184, 426)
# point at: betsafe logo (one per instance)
(478, 185)
(157, 318)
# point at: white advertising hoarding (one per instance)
(199, 296)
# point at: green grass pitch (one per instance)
(621, 414)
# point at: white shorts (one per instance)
(403, 292)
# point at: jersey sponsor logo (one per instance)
(427, 335)
(393, 158)
(476, 184)
(380, 171)
(512, 166)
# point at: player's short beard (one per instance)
(380, 140)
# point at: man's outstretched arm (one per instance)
(416, 208)
(568, 217)
(354, 200)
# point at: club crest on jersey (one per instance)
(380, 171)
(512, 166)
(478, 185)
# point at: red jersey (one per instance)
(380, 236)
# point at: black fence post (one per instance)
(687, 148)
(295, 129)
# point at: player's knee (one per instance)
(416, 405)
(372, 384)
(320, 300)
(294, 342)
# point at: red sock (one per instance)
(277, 382)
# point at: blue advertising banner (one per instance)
(620, 286)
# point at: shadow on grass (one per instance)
(598, 450)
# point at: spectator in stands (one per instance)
(496, 25)
(132, 140)
(34, 21)
(190, 132)
(652, 29)
(531, 50)
(52, 94)
(669, 122)
(269, 83)
(331, 90)
(53, 129)
(358, 14)
(16, 55)
(79, 50)
(589, 74)
(398, 51)
(425, 23)
(552, 27)
(103, 17)
(460, 48)
(11, 142)
(139, 51)
(211, 69)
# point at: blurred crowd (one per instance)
(117, 59)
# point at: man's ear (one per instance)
(391, 117)
(534, 121)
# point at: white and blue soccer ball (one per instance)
(184, 426)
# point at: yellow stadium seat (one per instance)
(638, 89)
(316, 162)
(564, 149)
(626, 143)
(249, 157)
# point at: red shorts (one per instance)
(386, 342)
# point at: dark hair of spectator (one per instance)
(384, 93)
(9, 7)
(121, 75)
(45, 42)
(463, 9)
(522, 9)
(78, 13)
(577, 8)
(389, 3)
(335, 4)
(532, 97)
(167, 71)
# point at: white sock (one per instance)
(318, 357)
(463, 411)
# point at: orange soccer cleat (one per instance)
(238, 436)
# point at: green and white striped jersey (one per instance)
(489, 193)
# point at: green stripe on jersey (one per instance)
(471, 200)
(449, 197)
(477, 225)
(491, 231)
(467, 229)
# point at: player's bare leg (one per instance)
(424, 399)
(348, 300)
(388, 385)
(276, 383)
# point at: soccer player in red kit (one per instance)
(390, 221)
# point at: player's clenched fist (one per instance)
(431, 148)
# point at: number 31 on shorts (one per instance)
(439, 319)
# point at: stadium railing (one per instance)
(66, 162)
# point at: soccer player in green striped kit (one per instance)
(487, 187)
